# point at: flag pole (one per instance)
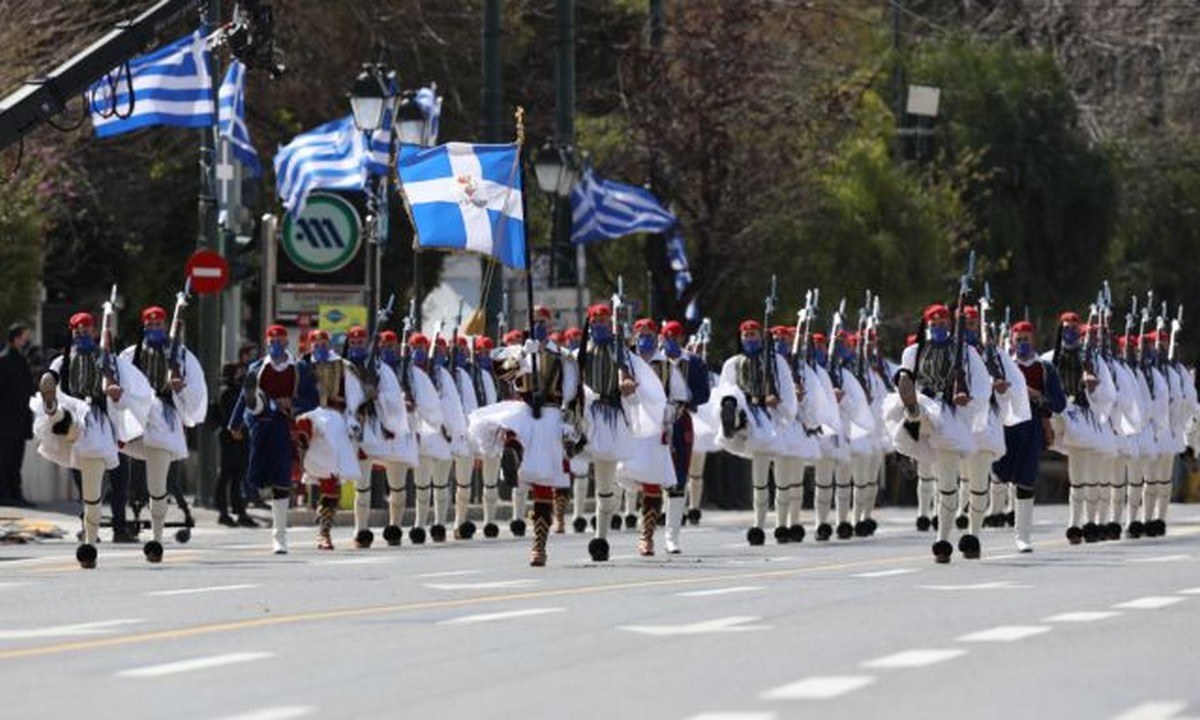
(536, 384)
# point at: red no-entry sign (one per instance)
(209, 272)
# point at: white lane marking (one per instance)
(9, 585)
(1149, 603)
(997, 585)
(914, 658)
(719, 625)
(884, 573)
(450, 573)
(1159, 559)
(1081, 616)
(819, 688)
(721, 591)
(1160, 710)
(482, 585)
(378, 560)
(734, 715)
(78, 629)
(281, 712)
(1005, 633)
(202, 663)
(1190, 591)
(507, 615)
(198, 590)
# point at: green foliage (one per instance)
(21, 227)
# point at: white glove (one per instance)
(532, 346)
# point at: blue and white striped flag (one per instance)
(431, 104)
(467, 197)
(329, 157)
(171, 86)
(603, 209)
(231, 109)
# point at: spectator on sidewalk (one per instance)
(16, 419)
(234, 451)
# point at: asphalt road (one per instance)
(845, 629)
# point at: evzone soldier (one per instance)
(577, 466)
(486, 392)
(649, 467)
(1025, 441)
(858, 428)
(704, 430)
(375, 403)
(422, 407)
(180, 400)
(1007, 405)
(91, 399)
(276, 389)
(1170, 416)
(545, 385)
(1126, 420)
(694, 372)
(757, 398)
(1078, 429)
(830, 431)
(796, 448)
(510, 458)
(875, 378)
(438, 442)
(328, 434)
(623, 401)
(943, 395)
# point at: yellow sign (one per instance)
(340, 318)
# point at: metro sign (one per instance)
(325, 236)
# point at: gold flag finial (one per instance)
(520, 116)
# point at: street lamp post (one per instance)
(557, 171)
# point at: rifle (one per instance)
(619, 348)
(176, 361)
(995, 367)
(960, 352)
(772, 383)
(370, 370)
(700, 340)
(502, 319)
(832, 358)
(107, 359)
(1176, 326)
(860, 357)
(406, 353)
(1129, 316)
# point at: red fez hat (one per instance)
(599, 310)
(82, 320)
(1069, 317)
(556, 338)
(971, 311)
(1154, 336)
(388, 336)
(1024, 326)
(573, 333)
(819, 339)
(440, 342)
(483, 343)
(513, 337)
(1121, 341)
(357, 333)
(645, 325)
(936, 311)
(672, 328)
(417, 339)
(276, 332)
(462, 341)
(852, 340)
(783, 330)
(748, 326)
(541, 311)
(317, 335)
(154, 314)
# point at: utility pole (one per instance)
(655, 251)
(209, 344)
(897, 81)
(493, 123)
(563, 253)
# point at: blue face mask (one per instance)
(390, 356)
(845, 353)
(671, 348)
(485, 361)
(1070, 337)
(440, 359)
(321, 354)
(1024, 349)
(156, 337)
(821, 356)
(646, 344)
(752, 347)
(939, 335)
(277, 349)
(782, 347)
(85, 343)
(1151, 355)
(356, 354)
(460, 358)
(539, 332)
(420, 355)
(971, 337)
(601, 334)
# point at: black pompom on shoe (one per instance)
(630, 521)
(1136, 529)
(363, 539)
(466, 531)
(183, 535)
(517, 527)
(86, 555)
(845, 531)
(598, 549)
(968, 545)
(1074, 535)
(153, 550)
(872, 526)
(1113, 530)
(861, 529)
(579, 524)
(796, 533)
(961, 522)
(824, 532)
(393, 535)
(615, 523)
(942, 550)
(781, 535)
(437, 533)
(923, 524)
(755, 536)
(490, 530)
(1091, 533)
(416, 535)
(693, 516)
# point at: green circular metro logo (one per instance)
(326, 235)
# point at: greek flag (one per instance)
(171, 86)
(329, 157)
(231, 109)
(467, 197)
(431, 104)
(602, 209)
